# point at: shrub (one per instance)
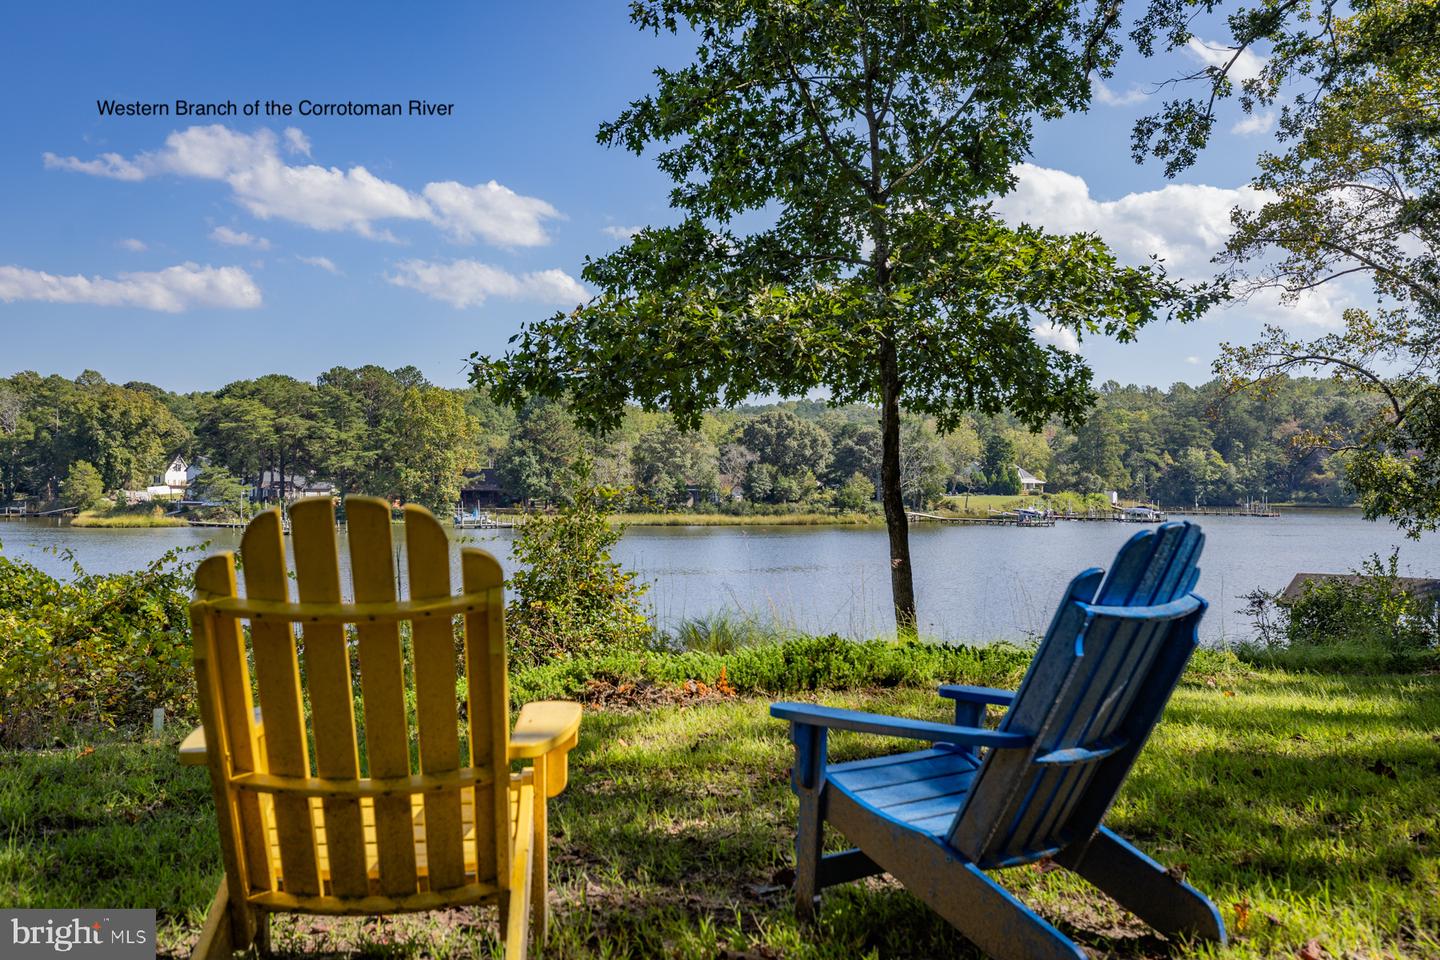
(83, 487)
(570, 597)
(1368, 615)
(93, 652)
(856, 495)
(794, 664)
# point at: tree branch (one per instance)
(820, 125)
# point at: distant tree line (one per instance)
(392, 433)
(367, 430)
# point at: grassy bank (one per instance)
(987, 504)
(126, 517)
(1304, 804)
(981, 504)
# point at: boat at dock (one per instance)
(1018, 518)
(480, 520)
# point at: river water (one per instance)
(973, 583)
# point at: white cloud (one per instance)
(1183, 224)
(1194, 361)
(172, 290)
(326, 198)
(296, 141)
(468, 283)
(1056, 335)
(110, 165)
(134, 245)
(324, 263)
(498, 214)
(1111, 98)
(1258, 122)
(620, 233)
(1217, 55)
(238, 238)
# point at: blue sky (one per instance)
(194, 251)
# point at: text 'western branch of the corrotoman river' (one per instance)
(272, 108)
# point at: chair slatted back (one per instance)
(318, 816)
(1094, 691)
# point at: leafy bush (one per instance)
(92, 652)
(570, 597)
(1370, 614)
(856, 496)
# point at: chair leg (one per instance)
(262, 934)
(539, 868)
(230, 929)
(515, 915)
(809, 841)
(515, 904)
(985, 912)
(808, 781)
(1147, 889)
(217, 940)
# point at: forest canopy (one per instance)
(392, 433)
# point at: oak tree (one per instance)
(832, 166)
(1353, 192)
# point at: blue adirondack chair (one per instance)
(1037, 786)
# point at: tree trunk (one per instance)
(902, 586)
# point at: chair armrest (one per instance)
(543, 727)
(961, 693)
(192, 749)
(902, 727)
(547, 731)
(970, 702)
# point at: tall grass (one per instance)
(723, 632)
(123, 517)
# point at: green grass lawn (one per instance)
(979, 504)
(1306, 806)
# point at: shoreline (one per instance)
(799, 519)
(744, 520)
(126, 521)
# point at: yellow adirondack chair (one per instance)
(327, 833)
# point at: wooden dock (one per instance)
(999, 520)
(20, 513)
(235, 524)
(1258, 511)
(482, 522)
